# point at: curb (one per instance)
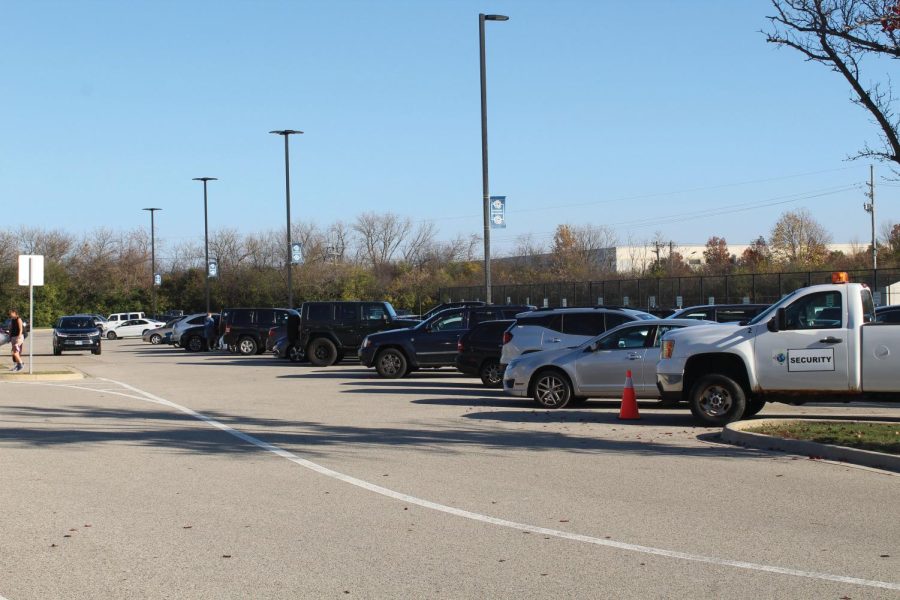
(59, 375)
(734, 433)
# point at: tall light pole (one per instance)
(153, 257)
(206, 233)
(286, 133)
(484, 156)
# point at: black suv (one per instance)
(76, 332)
(329, 330)
(431, 343)
(245, 329)
(887, 314)
(478, 351)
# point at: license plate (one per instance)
(79, 342)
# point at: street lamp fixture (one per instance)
(484, 155)
(206, 232)
(286, 133)
(153, 257)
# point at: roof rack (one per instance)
(587, 307)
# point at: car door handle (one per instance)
(555, 340)
(633, 356)
(831, 340)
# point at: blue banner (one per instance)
(498, 212)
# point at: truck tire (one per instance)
(754, 405)
(391, 364)
(717, 400)
(322, 352)
(551, 389)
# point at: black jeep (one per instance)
(330, 330)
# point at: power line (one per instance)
(706, 213)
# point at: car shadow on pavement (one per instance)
(538, 415)
(36, 427)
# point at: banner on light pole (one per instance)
(498, 212)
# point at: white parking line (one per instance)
(139, 394)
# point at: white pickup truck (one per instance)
(818, 343)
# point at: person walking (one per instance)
(16, 339)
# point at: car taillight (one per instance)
(459, 346)
(228, 329)
(272, 331)
(507, 337)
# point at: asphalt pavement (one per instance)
(166, 474)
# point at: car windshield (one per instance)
(764, 315)
(76, 323)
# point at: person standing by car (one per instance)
(209, 332)
(16, 338)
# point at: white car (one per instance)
(562, 327)
(596, 368)
(131, 328)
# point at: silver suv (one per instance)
(562, 327)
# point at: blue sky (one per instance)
(644, 116)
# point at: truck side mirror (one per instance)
(778, 322)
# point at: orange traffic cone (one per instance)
(629, 410)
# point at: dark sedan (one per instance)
(76, 333)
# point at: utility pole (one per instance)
(870, 208)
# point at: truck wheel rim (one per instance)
(322, 352)
(390, 363)
(551, 391)
(246, 347)
(715, 401)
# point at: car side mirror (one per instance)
(593, 347)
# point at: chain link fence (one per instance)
(672, 292)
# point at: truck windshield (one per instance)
(764, 315)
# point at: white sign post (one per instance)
(31, 273)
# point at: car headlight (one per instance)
(366, 342)
(668, 348)
(61, 335)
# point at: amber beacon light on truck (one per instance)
(840, 277)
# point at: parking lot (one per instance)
(166, 474)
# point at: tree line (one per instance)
(376, 256)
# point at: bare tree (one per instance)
(380, 236)
(54, 244)
(840, 34)
(420, 242)
(338, 241)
